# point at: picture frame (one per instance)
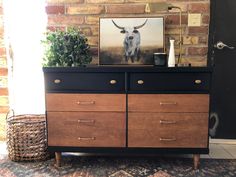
(130, 40)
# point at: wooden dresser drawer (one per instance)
(169, 82)
(114, 82)
(85, 129)
(168, 103)
(85, 102)
(168, 130)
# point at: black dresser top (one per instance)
(127, 69)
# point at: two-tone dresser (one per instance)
(128, 110)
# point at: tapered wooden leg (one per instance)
(196, 161)
(58, 159)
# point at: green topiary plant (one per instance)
(66, 48)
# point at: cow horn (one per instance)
(117, 25)
(140, 26)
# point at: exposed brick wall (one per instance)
(3, 78)
(86, 13)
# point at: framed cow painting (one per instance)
(130, 41)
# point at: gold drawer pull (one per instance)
(113, 82)
(140, 82)
(86, 138)
(86, 102)
(198, 81)
(57, 81)
(167, 122)
(86, 121)
(168, 103)
(168, 139)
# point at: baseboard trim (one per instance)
(222, 141)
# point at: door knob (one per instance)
(220, 45)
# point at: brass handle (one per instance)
(198, 81)
(168, 103)
(86, 138)
(57, 81)
(86, 121)
(168, 139)
(113, 81)
(86, 102)
(140, 82)
(167, 122)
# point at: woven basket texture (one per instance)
(26, 138)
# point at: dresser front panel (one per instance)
(168, 103)
(86, 129)
(85, 102)
(175, 130)
(88, 82)
(169, 82)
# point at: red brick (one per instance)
(195, 61)
(199, 7)
(92, 41)
(190, 40)
(92, 20)
(2, 51)
(3, 92)
(145, 1)
(174, 19)
(203, 40)
(4, 109)
(55, 9)
(85, 9)
(64, 1)
(104, 1)
(65, 20)
(198, 30)
(205, 19)
(201, 51)
(182, 5)
(94, 30)
(125, 9)
(54, 28)
(3, 71)
(173, 30)
(86, 31)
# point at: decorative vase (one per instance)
(171, 58)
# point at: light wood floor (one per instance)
(217, 151)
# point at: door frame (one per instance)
(211, 40)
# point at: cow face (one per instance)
(129, 33)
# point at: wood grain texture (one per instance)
(168, 103)
(184, 130)
(70, 102)
(86, 129)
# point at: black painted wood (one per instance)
(99, 69)
(156, 80)
(129, 150)
(76, 81)
(169, 82)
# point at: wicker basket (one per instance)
(26, 137)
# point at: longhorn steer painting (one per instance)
(130, 41)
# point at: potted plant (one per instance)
(66, 49)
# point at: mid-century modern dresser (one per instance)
(128, 110)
